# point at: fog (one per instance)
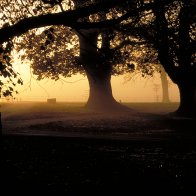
(76, 89)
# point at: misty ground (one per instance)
(63, 148)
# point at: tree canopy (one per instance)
(39, 44)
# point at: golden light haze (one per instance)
(75, 89)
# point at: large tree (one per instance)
(168, 25)
(170, 28)
(50, 54)
(175, 40)
(62, 52)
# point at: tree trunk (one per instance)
(100, 94)
(98, 74)
(187, 105)
(164, 83)
(0, 129)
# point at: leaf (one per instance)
(11, 89)
(20, 81)
(42, 48)
(7, 93)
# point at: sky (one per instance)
(75, 89)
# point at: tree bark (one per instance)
(100, 94)
(182, 74)
(187, 105)
(164, 83)
(98, 73)
(0, 129)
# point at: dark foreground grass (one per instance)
(157, 155)
(74, 166)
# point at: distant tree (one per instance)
(144, 63)
(165, 86)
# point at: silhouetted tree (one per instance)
(60, 51)
(168, 25)
(175, 39)
(57, 51)
(165, 87)
(99, 60)
(144, 63)
(49, 59)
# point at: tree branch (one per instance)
(68, 18)
(128, 42)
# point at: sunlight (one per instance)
(76, 89)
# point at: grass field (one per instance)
(145, 120)
(72, 119)
(63, 107)
(65, 149)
